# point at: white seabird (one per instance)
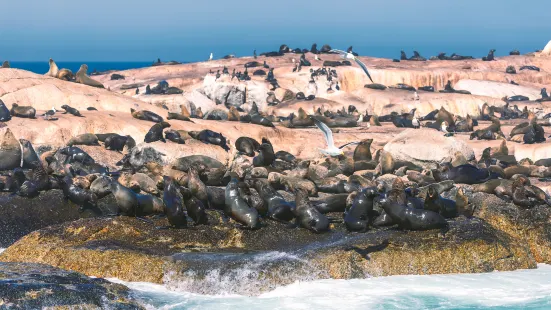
(210, 58)
(331, 149)
(350, 56)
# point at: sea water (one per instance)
(41, 67)
(521, 289)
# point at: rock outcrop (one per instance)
(37, 286)
(426, 147)
(201, 259)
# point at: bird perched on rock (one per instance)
(210, 57)
(415, 96)
(444, 129)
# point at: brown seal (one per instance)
(82, 78)
(374, 120)
(22, 111)
(84, 139)
(233, 115)
(63, 74)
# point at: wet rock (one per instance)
(281, 255)
(36, 286)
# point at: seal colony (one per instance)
(353, 187)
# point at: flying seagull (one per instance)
(350, 56)
(331, 149)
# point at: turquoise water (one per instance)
(522, 289)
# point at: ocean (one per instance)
(521, 289)
(43, 66)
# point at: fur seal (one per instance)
(5, 114)
(233, 114)
(446, 207)
(265, 155)
(278, 208)
(174, 136)
(357, 217)
(84, 198)
(118, 143)
(178, 116)
(6, 64)
(306, 215)
(247, 146)
(145, 115)
(29, 155)
(332, 203)
(76, 154)
(70, 110)
(63, 74)
(465, 174)
(22, 111)
(155, 133)
(195, 185)
(237, 208)
(210, 137)
(414, 219)
(127, 201)
(82, 78)
(84, 139)
(196, 210)
(174, 204)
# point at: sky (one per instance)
(139, 30)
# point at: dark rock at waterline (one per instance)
(38, 286)
(20, 216)
(282, 255)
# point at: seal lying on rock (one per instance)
(210, 137)
(145, 115)
(22, 111)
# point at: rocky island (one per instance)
(209, 175)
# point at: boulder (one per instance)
(426, 147)
(38, 286)
(143, 153)
(497, 89)
(224, 92)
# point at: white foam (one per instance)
(516, 289)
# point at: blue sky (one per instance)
(138, 30)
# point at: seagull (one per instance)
(415, 123)
(350, 56)
(50, 112)
(293, 60)
(316, 57)
(331, 149)
(444, 129)
(210, 58)
(415, 96)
